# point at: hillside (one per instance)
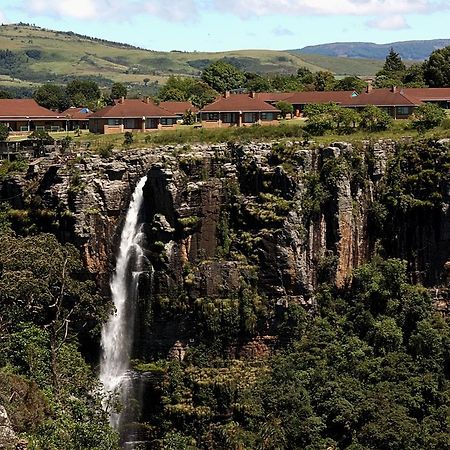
(31, 55)
(409, 50)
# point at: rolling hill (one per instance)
(408, 50)
(32, 55)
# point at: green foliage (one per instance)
(52, 96)
(427, 116)
(83, 93)
(128, 138)
(189, 118)
(286, 108)
(350, 84)
(118, 90)
(324, 81)
(223, 76)
(375, 119)
(4, 132)
(42, 136)
(437, 68)
(328, 116)
(187, 89)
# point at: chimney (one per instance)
(394, 89)
(147, 100)
(253, 94)
(369, 87)
(122, 100)
(227, 94)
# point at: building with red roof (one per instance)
(179, 108)
(25, 115)
(131, 115)
(77, 118)
(238, 110)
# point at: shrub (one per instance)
(427, 116)
(128, 138)
(4, 132)
(375, 119)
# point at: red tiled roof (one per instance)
(239, 102)
(25, 108)
(131, 108)
(274, 96)
(77, 113)
(383, 97)
(303, 98)
(178, 107)
(429, 94)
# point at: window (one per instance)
(228, 118)
(113, 122)
(165, 121)
(267, 116)
(211, 116)
(250, 117)
(403, 110)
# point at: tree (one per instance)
(52, 96)
(392, 71)
(375, 119)
(4, 132)
(437, 68)
(350, 84)
(320, 118)
(83, 93)
(427, 116)
(187, 89)
(257, 83)
(305, 75)
(119, 90)
(393, 63)
(324, 81)
(223, 76)
(285, 108)
(5, 94)
(414, 76)
(146, 81)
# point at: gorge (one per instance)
(226, 257)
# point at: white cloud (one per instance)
(389, 23)
(249, 8)
(175, 10)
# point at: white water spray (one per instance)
(117, 333)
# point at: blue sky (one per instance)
(215, 25)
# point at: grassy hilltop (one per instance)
(31, 55)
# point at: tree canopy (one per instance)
(223, 76)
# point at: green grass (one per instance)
(287, 130)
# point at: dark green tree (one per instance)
(118, 90)
(375, 119)
(414, 76)
(393, 63)
(437, 68)
(324, 81)
(350, 84)
(83, 93)
(52, 96)
(305, 75)
(223, 76)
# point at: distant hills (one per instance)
(31, 55)
(408, 50)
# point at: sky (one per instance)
(219, 25)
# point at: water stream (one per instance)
(118, 332)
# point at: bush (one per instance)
(427, 116)
(128, 138)
(375, 119)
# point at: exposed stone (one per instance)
(8, 438)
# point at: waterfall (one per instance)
(117, 333)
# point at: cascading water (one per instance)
(117, 334)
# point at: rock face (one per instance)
(275, 219)
(8, 438)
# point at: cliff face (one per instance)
(259, 224)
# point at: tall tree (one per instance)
(393, 62)
(52, 96)
(437, 68)
(119, 90)
(83, 93)
(223, 76)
